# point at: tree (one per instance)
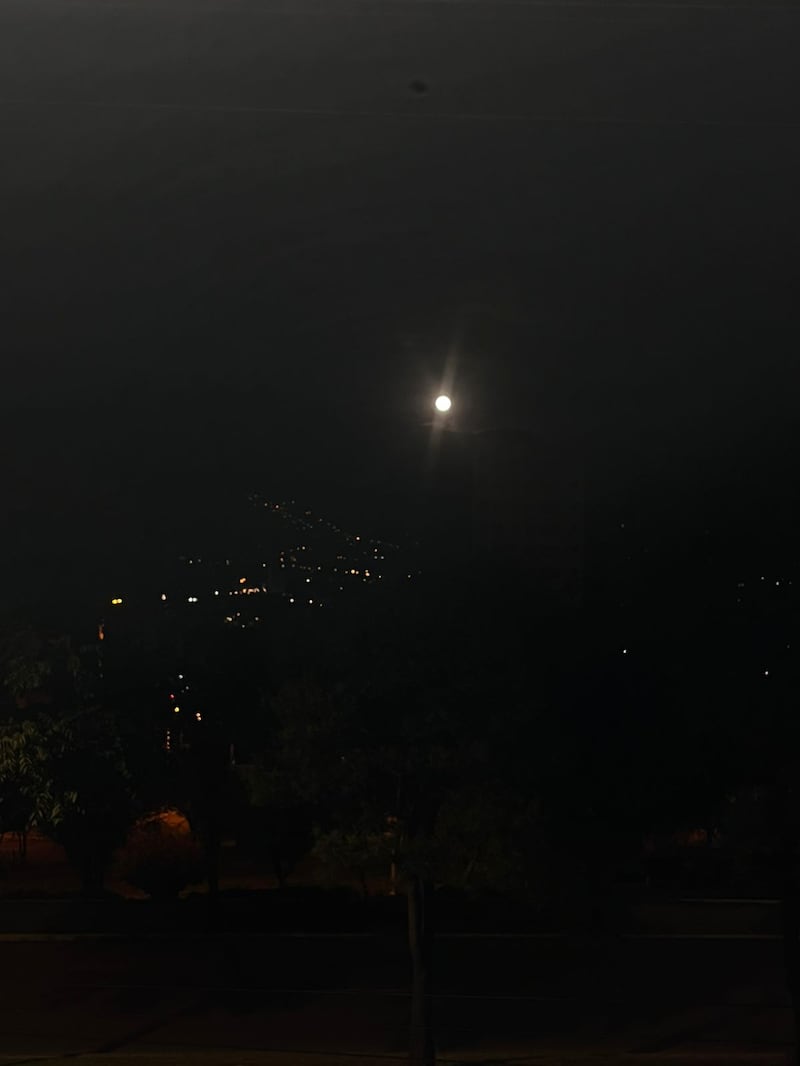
(708, 738)
(40, 669)
(759, 817)
(82, 790)
(63, 766)
(395, 739)
(18, 771)
(211, 796)
(276, 821)
(161, 858)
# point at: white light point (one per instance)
(443, 404)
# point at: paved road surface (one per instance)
(493, 998)
(239, 1058)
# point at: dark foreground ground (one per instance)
(250, 999)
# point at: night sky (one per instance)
(237, 248)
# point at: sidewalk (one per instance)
(273, 1058)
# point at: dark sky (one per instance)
(237, 250)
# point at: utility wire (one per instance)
(380, 8)
(421, 115)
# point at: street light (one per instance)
(443, 404)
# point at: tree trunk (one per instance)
(212, 863)
(278, 868)
(211, 848)
(92, 875)
(790, 916)
(422, 1050)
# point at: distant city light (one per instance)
(624, 651)
(191, 599)
(198, 716)
(242, 580)
(443, 403)
(176, 709)
(117, 601)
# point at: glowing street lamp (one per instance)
(443, 404)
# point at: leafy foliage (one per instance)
(19, 768)
(42, 669)
(80, 789)
(275, 820)
(161, 859)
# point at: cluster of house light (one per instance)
(288, 559)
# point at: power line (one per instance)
(382, 8)
(485, 117)
(402, 993)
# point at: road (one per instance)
(494, 998)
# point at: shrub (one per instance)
(161, 857)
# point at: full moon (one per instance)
(442, 403)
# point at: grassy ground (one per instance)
(270, 1058)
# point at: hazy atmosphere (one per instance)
(399, 585)
(241, 240)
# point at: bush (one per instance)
(161, 857)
